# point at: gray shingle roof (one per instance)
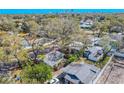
(53, 58)
(84, 72)
(94, 49)
(76, 45)
(42, 41)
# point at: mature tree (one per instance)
(11, 48)
(24, 27)
(102, 27)
(5, 48)
(62, 28)
(38, 73)
(33, 26)
(15, 47)
(81, 36)
(120, 43)
(105, 43)
(35, 47)
(2, 55)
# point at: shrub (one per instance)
(72, 58)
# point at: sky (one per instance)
(54, 11)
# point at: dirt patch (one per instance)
(114, 73)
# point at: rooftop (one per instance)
(76, 45)
(53, 58)
(95, 49)
(84, 72)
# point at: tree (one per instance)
(12, 49)
(102, 27)
(25, 27)
(105, 43)
(38, 73)
(120, 43)
(62, 28)
(22, 56)
(2, 55)
(5, 50)
(81, 36)
(35, 47)
(15, 47)
(33, 26)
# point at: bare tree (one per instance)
(62, 28)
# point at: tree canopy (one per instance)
(38, 73)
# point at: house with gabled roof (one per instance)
(25, 44)
(119, 53)
(53, 58)
(94, 53)
(80, 73)
(42, 41)
(76, 45)
(88, 23)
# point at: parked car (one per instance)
(54, 81)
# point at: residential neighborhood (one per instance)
(62, 48)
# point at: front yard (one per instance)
(97, 64)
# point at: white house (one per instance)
(86, 23)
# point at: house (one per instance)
(76, 46)
(54, 58)
(114, 46)
(116, 39)
(116, 36)
(88, 23)
(25, 44)
(119, 53)
(34, 53)
(51, 47)
(95, 41)
(116, 28)
(100, 18)
(94, 53)
(42, 41)
(80, 73)
(41, 34)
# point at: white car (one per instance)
(54, 81)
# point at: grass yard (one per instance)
(101, 65)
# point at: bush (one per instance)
(72, 58)
(41, 56)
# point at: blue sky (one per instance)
(46, 11)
